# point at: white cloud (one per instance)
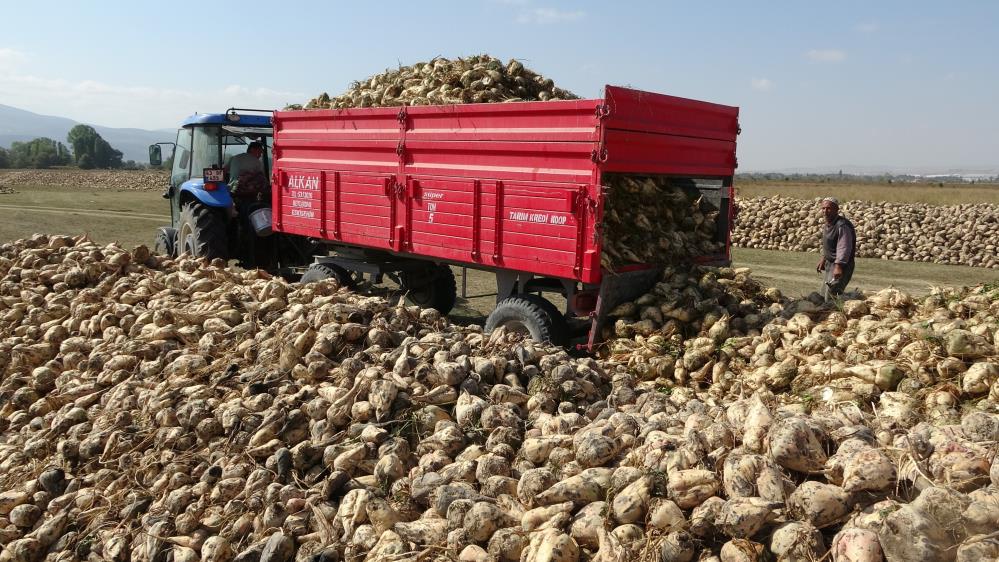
(117, 105)
(545, 16)
(826, 55)
(867, 27)
(242, 91)
(762, 84)
(11, 58)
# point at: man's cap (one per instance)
(832, 200)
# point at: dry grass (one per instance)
(794, 272)
(932, 194)
(129, 217)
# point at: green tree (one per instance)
(87, 142)
(83, 139)
(38, 153)
(4, 158)
(85, 162)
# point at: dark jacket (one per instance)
(839, 241)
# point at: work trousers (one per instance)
(835, 288)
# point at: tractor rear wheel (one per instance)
(324, 271)
(201, 232)
(531, 316)
(436, 288)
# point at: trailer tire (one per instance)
(440, 293)
(201, 232)
(529, 314)
(324, 271)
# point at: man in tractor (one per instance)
(250, 191)
(247, 166)
(839, 247)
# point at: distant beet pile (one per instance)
(948, 234)
(120, 180)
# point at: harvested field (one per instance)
(156, 408)
(178, 410)
(130, 218)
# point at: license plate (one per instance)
(214, 174)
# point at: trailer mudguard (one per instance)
(218, 197)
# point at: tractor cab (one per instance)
(207, 218)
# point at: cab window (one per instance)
(207, 151)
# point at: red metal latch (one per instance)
(599, 155)
(602, 111)
(401, 116)
(580, 202)
(400, 148)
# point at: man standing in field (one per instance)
(839, 246)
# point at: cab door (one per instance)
(180, 172)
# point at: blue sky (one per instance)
(888, 84)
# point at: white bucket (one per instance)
(260, 220)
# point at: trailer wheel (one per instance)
(324, 271)
(529, 315)
(165, 243)
(440, 293)
(201, 232)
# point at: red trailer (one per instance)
(514, 188)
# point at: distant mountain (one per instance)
(20, 125)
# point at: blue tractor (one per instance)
(209, 219)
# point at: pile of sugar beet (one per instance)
(155, 410)
(474, 79)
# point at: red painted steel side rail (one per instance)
(513, 185)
